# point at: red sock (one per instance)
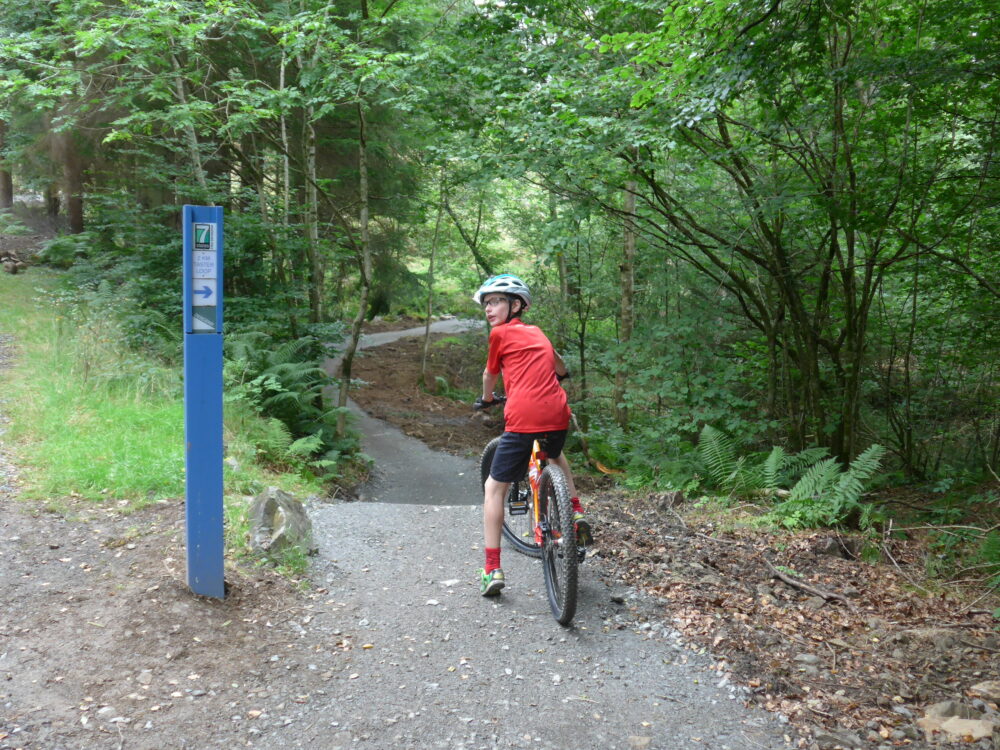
(577, 508)
(492, 559)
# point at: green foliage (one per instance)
(960, 543)
(10, 225)
(283, 384)
(725, 469)
(649, 458)
(780, 469)
(531, 119)
(99, 338)
(444, 387)
(824, 494)
(63, 251)
(829, 496)
(747, 474)
(269, 436)
(718, 451)
(97, 421)
(93, 419)
(987, 556)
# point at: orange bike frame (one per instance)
(535, 467)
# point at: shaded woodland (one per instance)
(763, 235)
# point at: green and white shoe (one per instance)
(584, 534)
(491, 583)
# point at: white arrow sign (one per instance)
(203, 293)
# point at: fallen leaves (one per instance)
(720, 590)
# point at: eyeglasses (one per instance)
(495, 301)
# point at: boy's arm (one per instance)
(492, 361)
(489, 383)
(561, 370)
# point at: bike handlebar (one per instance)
(479, 404)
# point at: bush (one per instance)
(10, 226)
(829, 496)
(824, 495)
(63, 251)
(284, 385)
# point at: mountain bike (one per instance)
(538, 522)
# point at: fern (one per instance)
(718, 452)
(827, 496)
(306, 446)
(818, 479)
(795, 465)
(780, 467)
(851, 485)
(246, 347)
(866, 465)
(823, 494)
(284, 383)
(773, 464)
(273, 440)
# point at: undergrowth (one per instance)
(813, 488)
(93, 419)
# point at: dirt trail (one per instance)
(406, 470)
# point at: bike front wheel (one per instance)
(518, 527)
(559, 552)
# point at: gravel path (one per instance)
(427, 476)
(102, 645)
(447, 668)
(441, 667)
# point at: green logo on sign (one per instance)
(202, 236)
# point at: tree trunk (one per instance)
(190, 135)
(286, 179)
(312, 225)
(562, 319)
(315, 284)
(72, 187)
(6, 179)
(366, 272)
(627, 308)
(430, 291)
(471, 240)
(582, 306)
(581, 350)
(51, 197)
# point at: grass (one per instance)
(83, 436)
(92, 421)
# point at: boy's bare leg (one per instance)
(493, 510)
(563, 464)
(585, 535)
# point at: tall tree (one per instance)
(6, 178)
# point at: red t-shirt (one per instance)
(535, 400)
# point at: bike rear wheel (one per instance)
(559, 552)
(517, 529)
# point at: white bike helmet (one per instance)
(505, 283)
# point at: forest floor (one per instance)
(819, 632)
(851, 652)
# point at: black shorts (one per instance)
(510, 462)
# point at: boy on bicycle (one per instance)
(536, 410)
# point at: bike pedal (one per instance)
(517, 508)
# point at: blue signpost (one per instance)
(203, 398)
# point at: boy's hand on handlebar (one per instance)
(562, 377)
(481, 404)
